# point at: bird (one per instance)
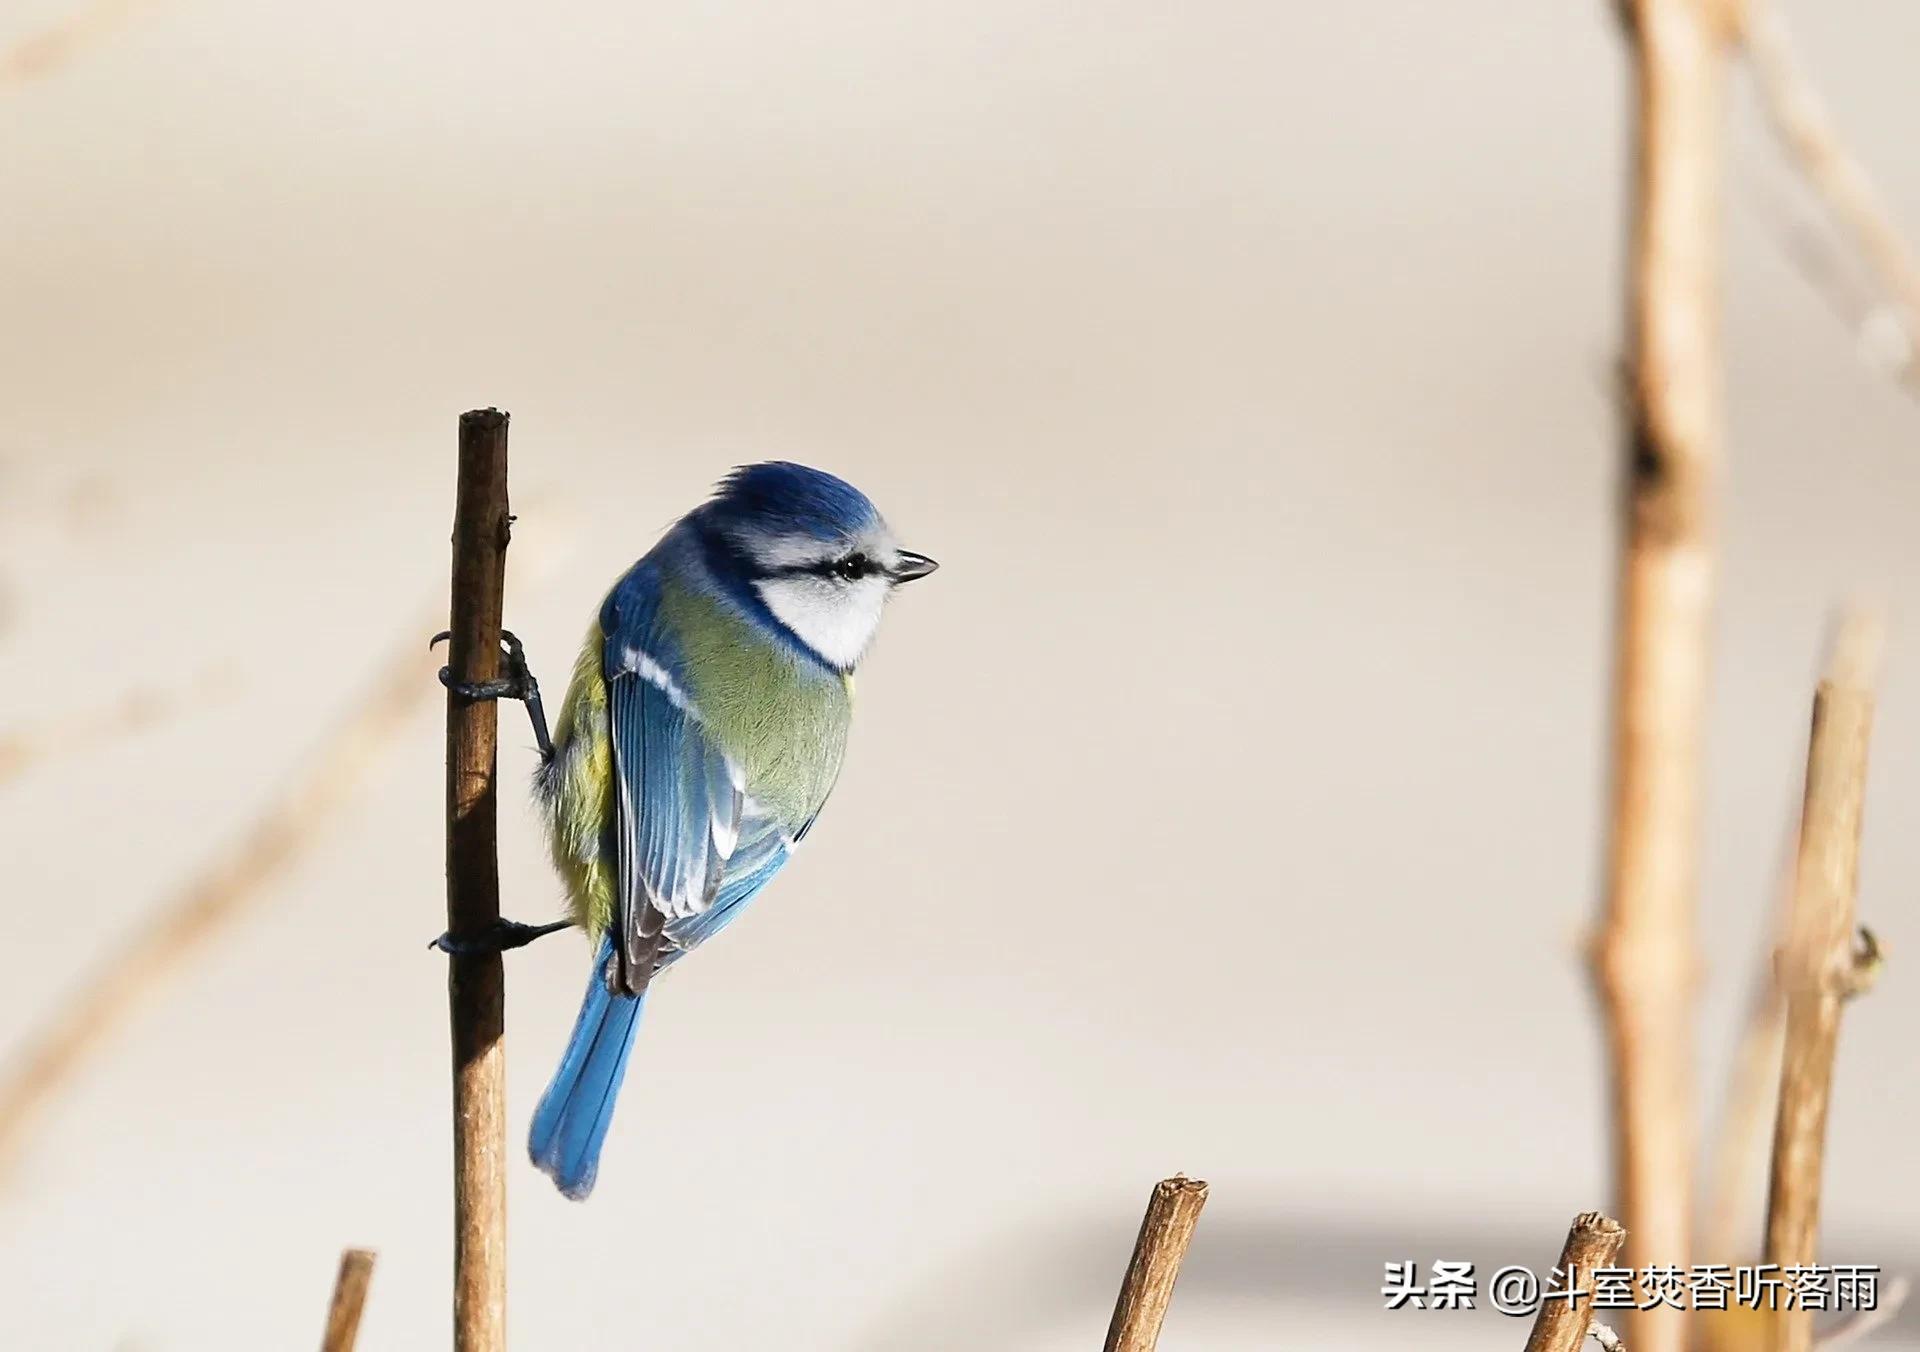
(701, 733)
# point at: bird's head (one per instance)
(813, 550)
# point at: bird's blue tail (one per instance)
(572, 1119)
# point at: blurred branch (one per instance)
(134, 712)
(1799, 117)
(1644, 961)
(1745, 1117)
(209, 902)
(1609, 1340)
(41, 54)
(1561, 1325)
(1819, 969)
(1165, 1232)
(232, 882)
(349, 1299)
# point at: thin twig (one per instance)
(1740, 1139)
(1818, 965)
(1609, 1340)
(1862, 1322)
(1800, 119)
(476, 981)
(349, 1299)
(1645, 961)
(1592, 1242)
(1745, 1128)
(1165, 1232)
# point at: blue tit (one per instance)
(698, 741)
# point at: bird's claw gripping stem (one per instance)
(518, 684)
(496, 938)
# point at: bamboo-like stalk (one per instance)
(349, 1299)
(476, 995)
(1165, 1232)
(1561, 1325)
(1818, 966)
(1645, 961)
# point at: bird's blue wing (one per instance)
(678, 797)
(764, 848)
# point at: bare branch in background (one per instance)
(1562, 1325)
(349, 1300)
(1645, 961)
(1739, 1143)
(231, 883)
(208, 903)
(135, 712)
(1819, 968)
(1799, 117)
(1165, 1232)
(41, 54)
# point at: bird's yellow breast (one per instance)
(577, 791)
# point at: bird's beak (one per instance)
(908, 565)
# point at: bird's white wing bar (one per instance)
(642, 664)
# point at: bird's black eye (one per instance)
(852, 568)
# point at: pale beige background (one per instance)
(1229, 802)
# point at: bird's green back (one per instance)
(784, 720)
(781, 716)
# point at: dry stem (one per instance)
(1644, 960)
(349, 1299)
(1818, 965)
(1746, 1120)
(1165, 1232)
(476, 996)
(1561, 1325)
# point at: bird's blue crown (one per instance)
(778, 497)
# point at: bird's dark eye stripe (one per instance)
(850, 567)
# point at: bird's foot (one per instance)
(518, 683)
(497, 937)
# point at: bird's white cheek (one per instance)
(836, 620)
